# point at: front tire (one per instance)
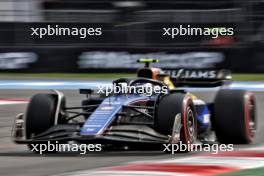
(171, 105)
(40, 115)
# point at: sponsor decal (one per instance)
(16, 60)
(192, 74)
(206, 118)
(107, 108)
(104, 59)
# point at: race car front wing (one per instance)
(132, 134)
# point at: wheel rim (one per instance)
(191, 125)
(252, 124)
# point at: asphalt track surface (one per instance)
(17, 160)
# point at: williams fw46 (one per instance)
(136, 119)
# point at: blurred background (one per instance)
(131, 29)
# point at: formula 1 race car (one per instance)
(158, 111)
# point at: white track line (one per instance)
(12, 101)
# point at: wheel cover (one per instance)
(252, 124)
(191, 124)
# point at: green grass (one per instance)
(236, 77)
(248, 172)
(248, 77)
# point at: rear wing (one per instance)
(199, 77)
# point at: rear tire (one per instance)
(171, 105)
(40, 114)
(234, 116)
